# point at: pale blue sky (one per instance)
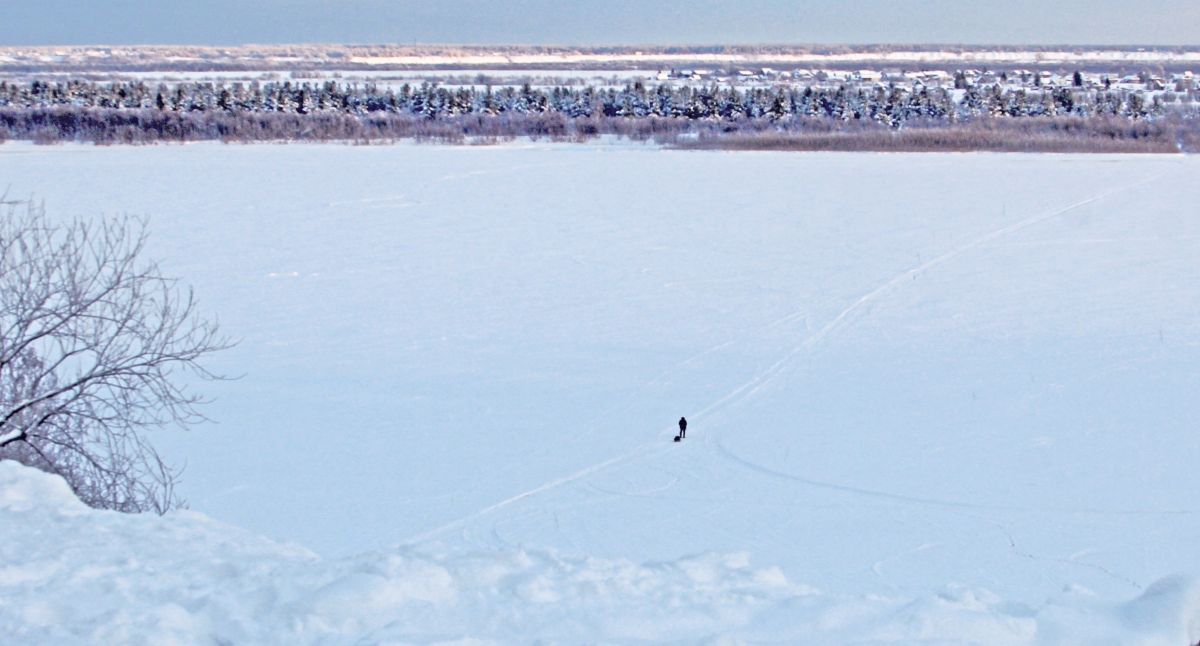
(600, 22)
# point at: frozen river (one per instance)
(901, 371)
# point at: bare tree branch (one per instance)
(93, 339)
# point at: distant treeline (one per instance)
(880, 118)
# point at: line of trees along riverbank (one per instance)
(841, 118)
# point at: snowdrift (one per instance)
(69, 574)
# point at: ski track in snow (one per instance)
(1012, 543)
(746, 390)
(764, 378)
(938, 502)
(640, 451)
(749, 388)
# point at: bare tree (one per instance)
(93, 344)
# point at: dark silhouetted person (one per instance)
(682, 428)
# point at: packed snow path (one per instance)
(901, 371)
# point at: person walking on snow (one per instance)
(682, 428)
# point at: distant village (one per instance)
(1165, 70)
(1181, 82)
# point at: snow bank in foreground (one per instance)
(69, 574)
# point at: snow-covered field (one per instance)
(931, 397)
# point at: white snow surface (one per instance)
(933, 398)
(70, 574)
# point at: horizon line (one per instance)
(514, 45)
